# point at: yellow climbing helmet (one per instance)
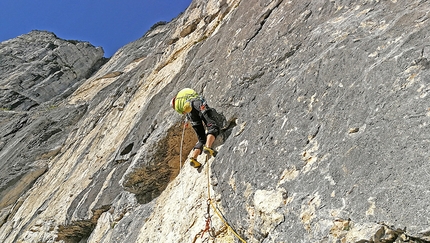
(181, 103)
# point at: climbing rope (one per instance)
(208, 222)
(209, 201)
(214, 207)
(182, 142)
(180, 157)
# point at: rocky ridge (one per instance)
(325, 110)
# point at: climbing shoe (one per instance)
(209, 151)
(194, 163)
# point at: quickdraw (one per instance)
(208, 221)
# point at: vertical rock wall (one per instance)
(37, 71)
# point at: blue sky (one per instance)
(110, 24)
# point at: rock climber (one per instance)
(190, 103)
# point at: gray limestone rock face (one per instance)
(36, 71)
(337, 117)
(38, 66)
